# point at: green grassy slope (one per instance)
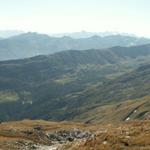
(65, 84)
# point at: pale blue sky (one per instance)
(53, 16)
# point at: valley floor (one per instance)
(44, 135)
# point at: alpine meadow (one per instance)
(74, 75)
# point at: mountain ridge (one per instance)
(64, 84)
(33, 44)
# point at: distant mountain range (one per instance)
(9, 33)
(85, 34)
(69, 85)
(77, 35)
(33, 44)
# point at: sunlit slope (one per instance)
(114, 113)
(63, 85)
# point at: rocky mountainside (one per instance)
(43, 135)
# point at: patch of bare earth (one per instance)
(44, 135)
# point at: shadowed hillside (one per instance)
(66, 84)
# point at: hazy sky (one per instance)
(54, 16)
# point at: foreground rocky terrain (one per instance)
(44, 135)
(40, 134)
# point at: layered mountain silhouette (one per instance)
(32, 44)
(85, 34)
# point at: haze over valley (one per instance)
(74, 75)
